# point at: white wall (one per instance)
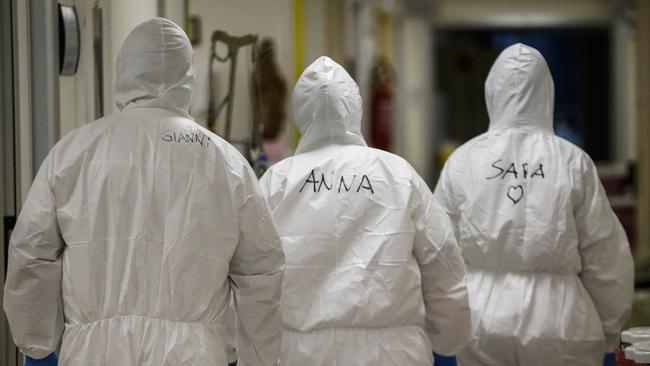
(121, 16)
(77, 91)
(415, 122)
(274, 19)
(174, 10)
(77, 98)
(364, 56)
(316, 29)
(24, 140)
(266, 19)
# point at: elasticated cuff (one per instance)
(50, 360)
(440, 360)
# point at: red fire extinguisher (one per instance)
(382, 104)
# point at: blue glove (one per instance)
(50, 360)
(609, 360)
(440, 360)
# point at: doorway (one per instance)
(579, 60)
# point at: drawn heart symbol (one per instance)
(515, 193)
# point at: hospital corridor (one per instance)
(325, 182)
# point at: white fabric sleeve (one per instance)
(265, 184)
(256, 272)
(444, 192)
(32, 293)
(448, 321)
(231, 332)
(449, 193)
(272, 185)
(607, 266)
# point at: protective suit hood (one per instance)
(127, 218)
(550, 276)
(519, 90)
(327, 107)
(154, 68)
(373, 275)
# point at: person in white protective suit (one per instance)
(138, 225)
(550, 275)
(374, 275)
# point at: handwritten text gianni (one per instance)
(185, 138)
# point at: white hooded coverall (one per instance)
(374, 275)
(550, 275)
(138, 225)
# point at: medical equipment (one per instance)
(252, 145)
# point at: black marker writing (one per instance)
(311, 179)
(539, 171)
(323, 182)
(515, 193)
(368, 186)
(319, 184)
(511, 170)
(514, 172)
(180, 137)
(495, 166)
(524, 167)
(342, 183)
